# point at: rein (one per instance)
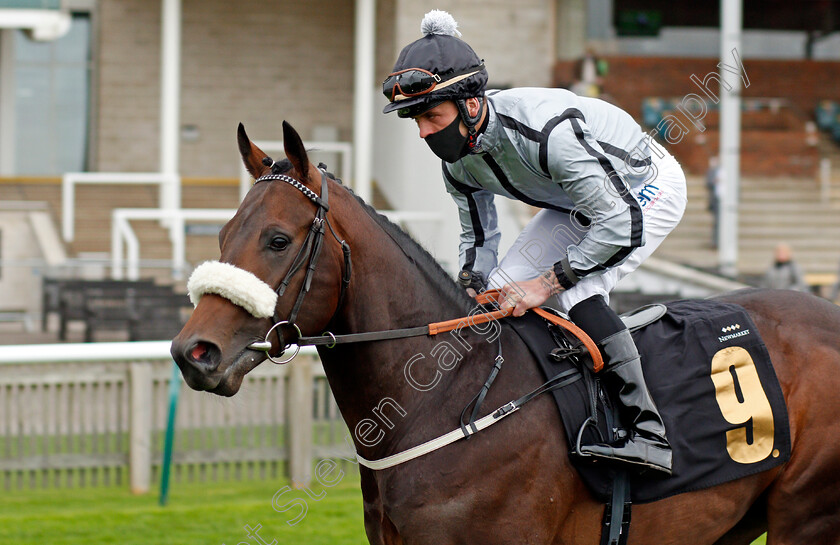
(311, 249)
(490, 296)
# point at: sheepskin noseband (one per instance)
(238, 286)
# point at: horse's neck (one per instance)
(405, 375)
(388, 288)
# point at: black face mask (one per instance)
(448, 143)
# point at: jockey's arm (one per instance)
(480, 234)
(530, 293)
(579, 165)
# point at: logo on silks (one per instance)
(733, 331)
(648, 194)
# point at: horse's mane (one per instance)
(427, 264)
(424, 261)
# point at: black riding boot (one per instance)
(645, 444)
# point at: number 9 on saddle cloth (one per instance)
(706, 367)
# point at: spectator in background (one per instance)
(784, 273)
(589, 71)
(714, 187)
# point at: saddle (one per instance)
(706, 367)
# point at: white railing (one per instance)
(93, 413)
(124, 240)
(123, 236)
(345, 149)
(170, 191)
(85, 352)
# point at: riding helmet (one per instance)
(443, 54)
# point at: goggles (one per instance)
(413, 82)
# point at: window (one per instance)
(44, 115)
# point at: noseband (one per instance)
(307, 255)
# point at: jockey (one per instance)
(608, 194)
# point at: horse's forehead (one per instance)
(267, 203)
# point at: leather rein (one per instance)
(309, 252)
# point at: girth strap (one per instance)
(479, 397)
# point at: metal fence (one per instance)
(100, 423)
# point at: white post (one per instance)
(7, 104)
(178, 247)
(68, 196)
(116, 250)
(825, 179)
(140, 427)
(170, 93)
(132, 250)
(245, 181)
(299, 421)
(363, 94)
(730, 134)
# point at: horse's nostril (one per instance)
(205, 355)
(199, 351)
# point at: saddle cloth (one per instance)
(711, 377)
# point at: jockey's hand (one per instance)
(521, 296)
(472, 282)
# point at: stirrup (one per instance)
(610, 452)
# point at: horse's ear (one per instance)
(295, 151)
(252, 156)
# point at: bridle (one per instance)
(309, 252)
(307, 255)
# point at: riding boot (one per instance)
(645, 443)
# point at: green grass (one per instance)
(205, 514)
(212, 514)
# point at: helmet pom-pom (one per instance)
(439, 22)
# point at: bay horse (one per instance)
(512, 483)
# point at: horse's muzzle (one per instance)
(198, 360)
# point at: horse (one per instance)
(513, 482)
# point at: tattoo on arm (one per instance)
(551, 282)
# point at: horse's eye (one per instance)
(279, 243)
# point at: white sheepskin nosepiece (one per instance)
(439, 22)
(238, 286)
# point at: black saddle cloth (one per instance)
(711, 377)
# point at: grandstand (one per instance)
(790, 154)
(790, 121)
(121, 89)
